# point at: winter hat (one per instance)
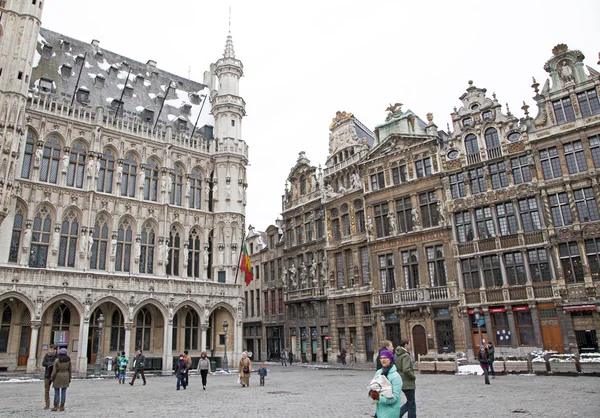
(388, 354)
(62, 351)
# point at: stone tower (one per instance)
(19, 28)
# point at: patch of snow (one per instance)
(92, 75)
(139, 108)
(109, 99)
(147, 83)
(36, 58)
(88, 65)
(171, 118)
(104, 65)
(469, 369)
(14, 380)
(152, 96)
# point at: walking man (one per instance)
(405, 367)
(122, 367)
(491, 351)
(138, 366)
(48, 363)
(284, 355)
(115, 365)
(188, 362)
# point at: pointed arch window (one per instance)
(106, 173)
(129, 176)
(28, 156)
(50, 161)
(100, 245)
(176, 186)
(94, 330)
(5, 328)
(492, 140)
(151, 181)
(194, 253)
(471, 145)
(15, 241)
(61, 319)
(195, 190)
(69, 233)
(76, 170)
(148, 245)
(124, 241)
(40, 238)
(174, 339)
(174, 251)
(117, 332)
(143, 329)
(191, 331)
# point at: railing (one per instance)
(488, 244)
(386, 299)
(509, 241)
(494, 295)
(466, 248)
(439, 293)
(410, 295)
(340, 320)
(308, 293)
(347, 162)
(420, 295)
(517, 293)
(368, 319)
(473, 158)
(473, 298)
(495, 152)
(543, 291)
(511, 294)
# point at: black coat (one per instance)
(48, 363)
(139, 362)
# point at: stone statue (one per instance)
(113, 247)
(166, 252)
(161, 252)
(65, 162)
(228, 191)
(240, 192)
(188, 189)
(566, 72)
(119, 173)
(90, 242)
(27, 238)
(215, 189)
(221, 257)
(441, 208)
(163, 182)
(186, 256)
(416, 219)
(313, 269)
(206, 315)
(83, 243)
(55, 240)
(205, 257)
(138, 249)
(369, 226)
(142, 177)
(356, 181)
(169, 186)
(8, 142)
(39, 153)
(392, 222)
(292, 272)
(207, 190)
(98, 166)
(342, 189)
(91, 167)
(284, 275)
(303, 274)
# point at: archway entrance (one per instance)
(419, 341)
(111, 339)
(15, 333)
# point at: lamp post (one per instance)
(477, 316)
(225, 328)
(99, 353)
(382, 319)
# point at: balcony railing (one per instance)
(511, 294)
(521, 239)
(368, 319)
(309, 293)
(495, 152)
(407, 296)
(473, 158)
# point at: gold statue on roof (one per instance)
(339, 116)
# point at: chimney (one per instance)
(151, 63)
(95, 42)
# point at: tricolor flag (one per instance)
(246, 266)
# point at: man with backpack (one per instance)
(404, 366)
(122, 362)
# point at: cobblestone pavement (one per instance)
(309, 392)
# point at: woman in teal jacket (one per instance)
(388, 407)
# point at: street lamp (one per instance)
(225, 328)
(477, 316)
(382, 319)
(99, 353)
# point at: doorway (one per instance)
(293, 347)
(445, 336)
(369, 343)
(25, 338)
(324, 345)
(393, 334)
(551, 334)
(419, 341)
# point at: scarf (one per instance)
(385, 370)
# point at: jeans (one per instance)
(283, 361)
(411, 405)
(116, 372)
(204, 373)
(122, 374)
(181, 382)
(486, 375)
(492, 368)
(60, 396)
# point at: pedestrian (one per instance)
(405, 367)
(384, 345)
(188, 360)
(61, 378)
(491, 357)
(352, 354)
(115, 365)
(484, 362)
(122, 363)
(181, 371)
(245, 368)
(138, 366)
(387, 407)
(343, 356)
(262, 372)
(284, 355)
(48, 363)
(204, 368)
(291, 355)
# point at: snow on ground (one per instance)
(24, 380)
(469, 369)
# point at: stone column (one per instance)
(203, 340)
(33, 344)
(127, 345)
(512, 327)
(168, 347)
(537, 329)
(237, 344)
(82, 360)
(469, 336)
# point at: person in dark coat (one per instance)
(291, 357)
(406, 370)
(115, 365)
(48, 363)
(384, 345)
(491, 358)
(138, 366)
(188, 360)
(61, 378)
(484, 362)
(181, 372)
(343, 356)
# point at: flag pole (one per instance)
(240, 258)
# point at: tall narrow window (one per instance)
(539, 266)
(75, 174)
(498, 175)
(436, 265)
(100, 245)
(174, 249)
(576, 162)
(515, 268)
(129, 176)
(477, 179)
(335, 224)
(106, 173)
(339, 270)
(470, 272)
(194, 251)
(147, 247)
(50, 161)
(550, 163)
(124, 241)
(377, 181)
(570, 259)
(5, 322)
(15, 241)
(359, 215)
(485, 223)
(349, 267)
(28, 156)
(387, 273)
(382, 226)
(423, 167)
(507, 220)
(563, 110)
(143, 329)
(302, 185)
(530, 216)
(464, 227)
(592, 250)
(364, 265)
(117, 332)
(195, 184)
(69, 233)
(61, 319)
(151, 181)
(587, 209)
(520, 170)
(492, 273)
(561, 212)
(399, 174)
(410, 267)
(491, 139)
(176, 186)
(192, 323)
(40, 239)
(345, 220)
(457, 185)
(595, 149)
(428, 207)
(471, 145)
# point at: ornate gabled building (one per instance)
(415, 292)
(253, 313)
(304, 269)
(121, 202)
(347, 253)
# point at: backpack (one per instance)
(123, 361)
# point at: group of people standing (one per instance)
(183, 366)
(395, 373)
(57, 373)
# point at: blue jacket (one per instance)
(390, 407)
(262, 371)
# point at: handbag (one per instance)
(245, 368)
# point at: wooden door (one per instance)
(551, 334)
(419, 341)
(476, 342)
(24, 345)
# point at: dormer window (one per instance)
(194, 98)
(79, 59)
(99, 55)
(66, 70)
(186, 108)
(99, 81)
(139, 80)
(112, 71)
(45, 85)
(148, 115)
(181, 124)
(128, 91)
(117, 106)
(65, 45)
(487, 115)
(47, 51)
(467, 122)
(83, 95)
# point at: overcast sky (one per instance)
(304, 61)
